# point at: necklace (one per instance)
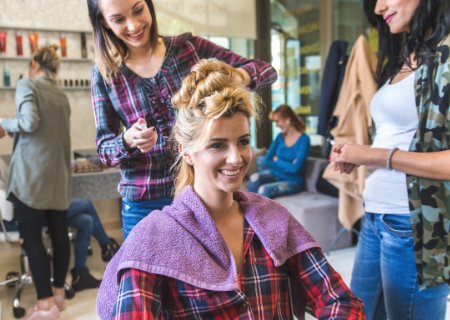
(403, 73)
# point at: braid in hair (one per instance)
(212, 90)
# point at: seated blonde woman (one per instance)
(216, 252)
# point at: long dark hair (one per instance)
(110, 51)
(286, 112)
(429, 25)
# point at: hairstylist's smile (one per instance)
(137, 35)
(388, 17)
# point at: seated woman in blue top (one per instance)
(282, 170)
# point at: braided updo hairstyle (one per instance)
(48, 59)
(213, 90)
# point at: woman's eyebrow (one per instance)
(224, 139)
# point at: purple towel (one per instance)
(181, 241)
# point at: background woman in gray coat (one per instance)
(39, 181)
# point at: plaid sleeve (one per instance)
(325, 291)
(109, 139)
(261, 73)
(139, 296)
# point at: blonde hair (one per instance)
(213, 90)
(48, 59)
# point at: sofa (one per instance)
(316, 211)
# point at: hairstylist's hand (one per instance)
(244, 76)
(140, 137)
(347, 157)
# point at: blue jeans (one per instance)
(384, 274)
(266, 184)
(135, 211)
(83, 217)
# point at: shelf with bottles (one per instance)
(23, 42)
(70, 74)
(41, 29)
(27, 59)
(70, 83)
(71, 89)
(18, 44)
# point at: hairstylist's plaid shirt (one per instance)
(129, 97)
(263, 291)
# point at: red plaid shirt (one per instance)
(263, 293)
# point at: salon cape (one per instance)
(182, 242)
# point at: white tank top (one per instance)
(394, 112)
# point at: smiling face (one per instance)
(130, 20)
(397, 13)
(282, 123)
(221, 165)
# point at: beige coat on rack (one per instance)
(354, 125)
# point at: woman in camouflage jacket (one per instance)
(402, 261)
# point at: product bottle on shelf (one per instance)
(83, 46)
(19, 44)
(6, 77)
(3, 35)
(33, 38)
(63, 43)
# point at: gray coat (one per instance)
(40, 174)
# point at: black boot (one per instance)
(109, 250)
(82, 279)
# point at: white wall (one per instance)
(233, 18)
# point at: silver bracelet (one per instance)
(389, 158)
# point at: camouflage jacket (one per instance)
(429, 200)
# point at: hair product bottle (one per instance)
(2, 42)
(83, 46)
(6, 77)
(63, 44)
(19, 44)
(33, 39)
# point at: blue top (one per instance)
(290, 160)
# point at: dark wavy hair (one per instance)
(110, 51)
(429, 25)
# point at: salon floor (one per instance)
(82, 306)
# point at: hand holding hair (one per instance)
(245, 77)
